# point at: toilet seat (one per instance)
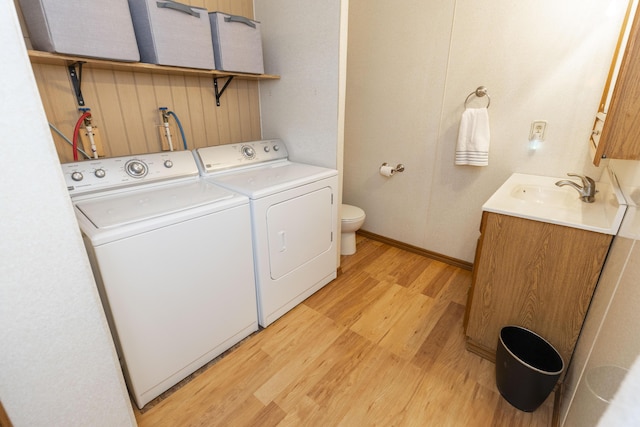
(351, 213)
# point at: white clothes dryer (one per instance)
(294, 219)
(172, 257)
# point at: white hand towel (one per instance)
(473, 138)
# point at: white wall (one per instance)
(410, 68)
(628, 173)
(58, 366)
(302, 43)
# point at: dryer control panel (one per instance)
(228, 156)
(117, 172)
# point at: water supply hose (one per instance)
(184, 140)
(76, 131)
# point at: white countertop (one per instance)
(538, 198)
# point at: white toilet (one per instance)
(352, 219)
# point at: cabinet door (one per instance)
(620, 138)
(536, 275)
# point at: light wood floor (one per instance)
(382, 345)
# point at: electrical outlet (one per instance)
(538, 129)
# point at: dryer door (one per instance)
(299, 230)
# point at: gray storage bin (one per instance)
(237, 43)
(91, 28)
(172, 33)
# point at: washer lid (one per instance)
(278, 176)
(125, 208)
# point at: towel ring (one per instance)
(479, 92)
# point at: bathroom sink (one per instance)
(538, 198)
(544, 195)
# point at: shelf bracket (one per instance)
(220, 92)
(76, 80)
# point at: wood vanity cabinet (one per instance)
(532, 274)
(616, 130)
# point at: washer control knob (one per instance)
(168, 164)
(136, 168)
(77, 176)
(99, 173)
(248, 152)
(266, 149)
(276, 147)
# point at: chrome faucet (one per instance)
(588, 189)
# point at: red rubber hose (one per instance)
(76, 131)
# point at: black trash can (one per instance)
(527, 367)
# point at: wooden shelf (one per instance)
(40, 57)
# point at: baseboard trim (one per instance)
(416, 250)
(480, 350)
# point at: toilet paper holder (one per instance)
(398, 168)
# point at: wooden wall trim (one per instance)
(416, 250)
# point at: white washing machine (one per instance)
(294, 219)
(172, 256)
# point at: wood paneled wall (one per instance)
(124, 104)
